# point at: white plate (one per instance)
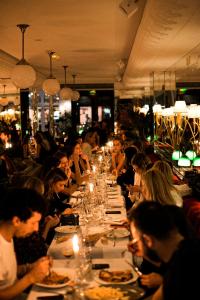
(76, 194)
(99, 230)
(66, 229)
(119, 233)
(60, 271)
(101, 281)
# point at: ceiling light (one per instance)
(4, 99)
(23, 75)
(76, 94)
(51, 85)
(66, 93)
(55, 56)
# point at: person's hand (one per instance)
(68, 172)
(68, 211)
(95, 148)
(52, 221)
(84, 156)
(133, 248)
(134, 189)
(114, 172)
(151, 280)
(40, 269)
(114, 154)
(75, 157)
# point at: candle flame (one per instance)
(75, 243)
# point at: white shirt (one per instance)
(8, 263)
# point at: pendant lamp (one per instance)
(66, 93)
(76, 94)
(23, 75)
(51, 85)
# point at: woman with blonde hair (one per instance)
(155, 187)
(165, 168)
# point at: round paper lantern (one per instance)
(23, 76)
(51, 86)
(75, 96)
(66, 93)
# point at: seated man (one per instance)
(20, 213)
(160, 235)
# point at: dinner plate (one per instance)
(101, 281)
(101, 292)
(119, 233)
(60, 271)
(66, 229)
(99, 230)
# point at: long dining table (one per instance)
(109, 249)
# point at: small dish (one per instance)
(115, 277)
(66, 229)
(60, 272)
(119, 233)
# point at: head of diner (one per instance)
(160, 234)
(20, 214)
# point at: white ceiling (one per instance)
(100, 43)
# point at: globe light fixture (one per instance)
(191, 154)
(76, 94)
(184, 161)
(176, 155)
(23, 75)
(196, 161)
(51, 85)
(66, 93)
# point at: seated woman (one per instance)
(80, 166)
(140, 163)
(126, 178)
(118, 157)
(156, 187)
(55, 182)
(63, 162)
(165, 168)
(88, 146)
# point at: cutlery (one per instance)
(139, 273)
(135, 268)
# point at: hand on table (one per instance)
(40, 269)
(151, 280)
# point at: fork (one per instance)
(135, 268)
(139, 273)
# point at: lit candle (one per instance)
(75, 244)
(91, 187)
(94, 169)
(100, 158)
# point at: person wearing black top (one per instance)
(161, 235)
